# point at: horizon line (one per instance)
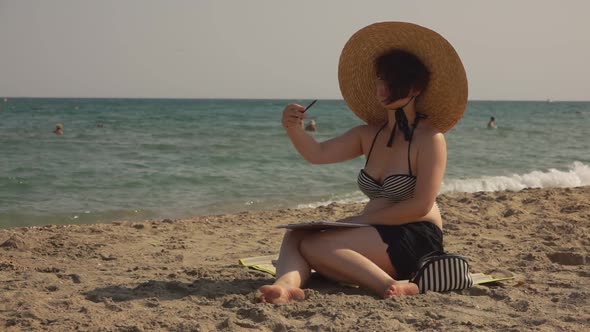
(236, 98)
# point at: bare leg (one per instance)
(292, 272)
(355, 256)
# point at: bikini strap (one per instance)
(402, 122)
(414, 125)
(373, 144)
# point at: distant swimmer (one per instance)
(311, 126)
(492, 123)
(59, 129)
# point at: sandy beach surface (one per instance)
(183, 275)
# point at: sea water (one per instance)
(137, 159)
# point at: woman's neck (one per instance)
(409, 111)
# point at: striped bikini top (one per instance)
(395, 187)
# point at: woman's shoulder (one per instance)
(426, 134)
(368, 132)
(367, 129)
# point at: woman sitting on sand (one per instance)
(408, 84)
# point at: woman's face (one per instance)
(383, 96)
(382, 92)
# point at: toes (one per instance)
(298, 295)
(401, 290)
(271, 294)
(391, 292)
(278, 295)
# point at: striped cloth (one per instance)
(396, 188)
(443, 272)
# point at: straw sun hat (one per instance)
(445, 97)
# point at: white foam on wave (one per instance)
(577, 175)
(355, 197)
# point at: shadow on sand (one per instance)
(208, 288)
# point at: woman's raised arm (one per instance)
(341, 148)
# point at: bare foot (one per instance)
(401, 289)
(279, 294)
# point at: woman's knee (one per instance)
(306, 246)
(296, 235)
(315, 243)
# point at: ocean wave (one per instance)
(577, 175)
(355, 197)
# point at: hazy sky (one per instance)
(514, 50)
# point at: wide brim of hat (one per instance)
(445, 97)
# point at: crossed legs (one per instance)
(355, 256)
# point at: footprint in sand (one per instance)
(15, 242)
(567, 258)
(520, 306)
(511, 212)
(574, 208)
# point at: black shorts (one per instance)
(408, 243)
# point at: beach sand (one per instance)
(183, 275)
